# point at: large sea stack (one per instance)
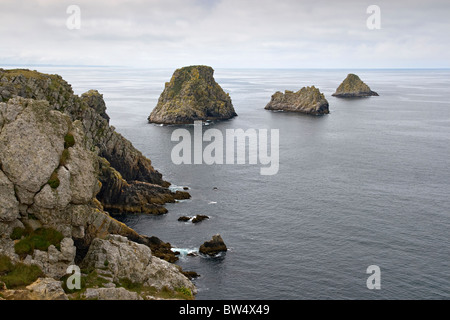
(353, 87)
(307, 100)
(192, 95)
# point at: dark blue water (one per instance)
(368, 184)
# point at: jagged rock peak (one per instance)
(353, 87)
(192, 94)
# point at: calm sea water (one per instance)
(368, 184)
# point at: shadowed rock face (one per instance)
(353, 87)
(192, 94)
(307, 100)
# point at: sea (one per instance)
(367, 185)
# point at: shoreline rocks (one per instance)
(353, 87)
(308, 100)
(192, 95)
(197, 219)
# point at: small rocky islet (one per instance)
(307, 100)
(192, 95)
(353, 87)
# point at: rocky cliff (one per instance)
(353, 87)
(307, 100)
(192, 94)
(57, 174)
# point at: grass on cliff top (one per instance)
(17, 275)
(39, 239)
(27, 74)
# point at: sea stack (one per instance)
(213, 247)
(353, 87)
(307, 100)
(192, 95)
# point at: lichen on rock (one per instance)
(192, 95)
(353, 87)
(307, 100)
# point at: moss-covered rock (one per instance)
(307, 100)
(353, 87)
(191, 95)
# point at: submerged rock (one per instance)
(353, 87)
(307, 100)
(213, 247)
(192, 94)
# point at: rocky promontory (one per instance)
(307, 100)
(353, 87)
(192, 95)
(61, 166)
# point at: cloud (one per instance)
(226, 33)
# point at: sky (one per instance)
(226, 33)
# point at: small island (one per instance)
(307, 100)
(353, 87)
(192, 95)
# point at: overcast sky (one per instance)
(227, 33)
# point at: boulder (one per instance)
(353, 87)
(125, 259)
(213, 247)
(192, 95)
(307, 100)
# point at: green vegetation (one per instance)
(54, 180)
(165, 293)
(17, 275)
(69, 141)
(39, 239)
(26, 73)
(64, 157)
(89, 279)
(17, 233)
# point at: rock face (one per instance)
(61, 164)
(353, 87)
(192, 94)
(90, 111)
(307, 100)
(42, 289)
(213, 247)
(122, 258)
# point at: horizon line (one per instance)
(243, 68)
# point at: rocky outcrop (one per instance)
(50, 173)
(197, 219)
(99, 136)
(307, 100)
(192, 95)
(213, 247)
(42, 289)
(120, 197)
(353, 87)
(121, 258)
